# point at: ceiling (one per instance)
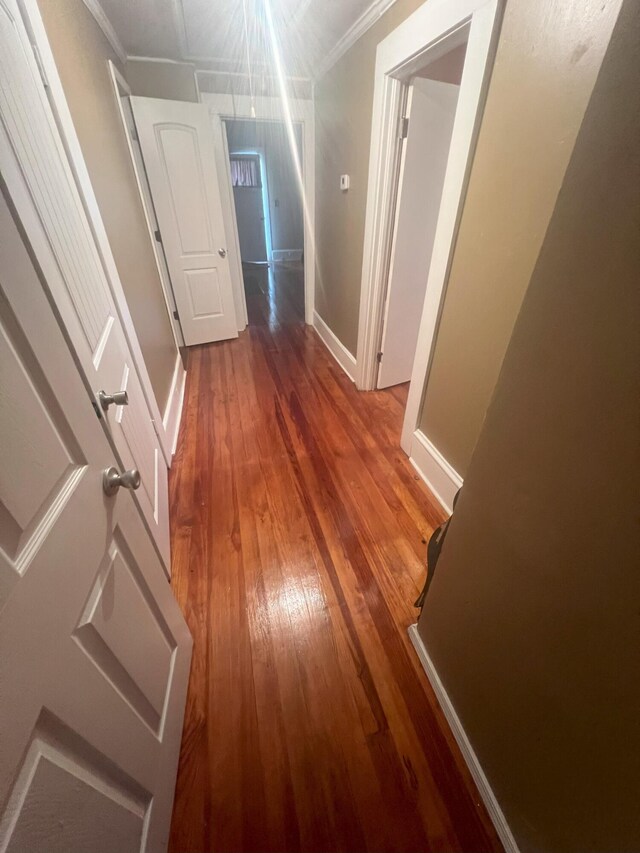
(212, 32)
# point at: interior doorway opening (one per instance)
(446, 45)
(251, 201)
(430, 100)
(269, 217)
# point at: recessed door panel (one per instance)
(204, 293)
(40, 460)
(126, 636)
(67, 796)
(182, 164)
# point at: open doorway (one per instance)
(269, 217)
(429, 84)
(251, 201)
(427, 126)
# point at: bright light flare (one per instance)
(281, 80)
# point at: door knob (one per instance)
(120, 398)
(222, 253)
(112, 480)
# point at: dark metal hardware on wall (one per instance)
(434, 549)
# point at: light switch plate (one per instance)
(344, 182)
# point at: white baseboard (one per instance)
(337, 349)
(488, 797)
(173, 410)
(434, 469)
(286, 254)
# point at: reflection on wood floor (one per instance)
(298, 533)
(274, 293)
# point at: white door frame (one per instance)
(433, 29)
(231, 107)
(58, 101)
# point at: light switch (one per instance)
(344, 182)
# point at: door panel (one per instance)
(42, 188)
(181, 163)
(120, 599)
(41, 464)
(424, 161)
(176, 139)
(95, 652)
(89, 805)
(204, 292)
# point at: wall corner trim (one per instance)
(106, 26)
(442, 480)
(337, 349)
(173, 410)
(475, 768)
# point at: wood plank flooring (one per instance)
(298, 531)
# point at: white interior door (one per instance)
(39, 181)
(178, 149)
(95, 652)
(432, 107)
(147, 202)
(250, 218)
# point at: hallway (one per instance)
(298, 531)
(274, 292)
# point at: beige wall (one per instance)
(547, 57)
(81, 53)
(532, 619)
(268, 87)
(174, 81)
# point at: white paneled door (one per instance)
(42, 189)
(95, 653)
(431, 110)
(178, 149)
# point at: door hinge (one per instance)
(40, 64)
(134, 134)
(175, 315)
(404, 127)
(158, 235)
(379, 357)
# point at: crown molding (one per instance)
(366, 20)
(212, 72)
(133, 57)
(105, 25)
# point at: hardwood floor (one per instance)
(298, 530)
(274, 294)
